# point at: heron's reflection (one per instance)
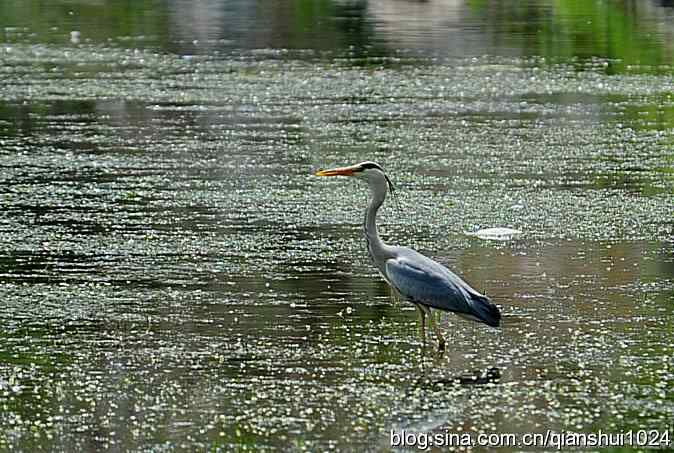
(465, 378)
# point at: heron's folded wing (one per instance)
(426, 286)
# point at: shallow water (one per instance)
(174, 278)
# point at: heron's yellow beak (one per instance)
(341, 171)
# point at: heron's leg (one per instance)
(422, 317)
(434, 326)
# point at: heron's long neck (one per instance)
(374, 242)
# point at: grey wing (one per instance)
(425, 286)
(424, 281)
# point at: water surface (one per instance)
(175, 279)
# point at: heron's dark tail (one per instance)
(485, 310)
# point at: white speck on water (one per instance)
(496, 233)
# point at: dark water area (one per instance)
(174, 278)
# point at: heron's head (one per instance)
(368, 171)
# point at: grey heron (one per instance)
(417, 278)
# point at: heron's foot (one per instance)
(441, 344)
